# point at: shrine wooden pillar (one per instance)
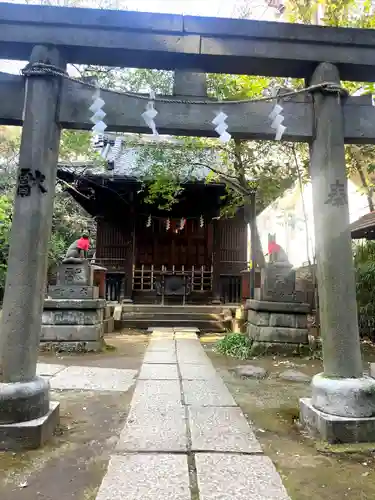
(127, 285)
(216, 263)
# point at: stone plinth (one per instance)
(279, 323)
(73, 318)
(335, 429)
(30, 434)
(74, 274)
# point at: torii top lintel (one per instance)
(163, 41)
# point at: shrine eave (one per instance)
(364, 227)
(164, 41)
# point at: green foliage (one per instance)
(364, 260)
(236, 345)
(5, 225)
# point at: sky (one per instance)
(210, 8)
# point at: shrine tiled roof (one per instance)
(364, 227)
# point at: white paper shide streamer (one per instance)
(201, 221)
(167, 224)
(150, 114)
(149, 220)
(221, 127)
(116, 150)
(277, 121)
(98, 116)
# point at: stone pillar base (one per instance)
(335, 429)
(76, 324)
(31, 434)
(277, 323)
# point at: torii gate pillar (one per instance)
(342, 406)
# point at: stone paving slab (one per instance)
(192, 356)
(238, 477)
(186, 329)
(157, 393)
(158, 372)
(160, 329)
(185, 335)
(221, 429)
(48, 369)
(160, 357)
(197, 372)
(154, 430)
(161, 344)
(211, 392)
(146, 477)
(91, 378)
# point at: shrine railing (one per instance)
(230, 289)
(146, 277)
(112, 265)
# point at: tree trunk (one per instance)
(367, 189)
(256, 245)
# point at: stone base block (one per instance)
(285, 307)
(71, 333)
(277, 334)
(74, 304)
(109, 325)
(31, 434)
(77, 347)
(73, 292)
(279, 319)
(78, 273)
(336, 429)
(277, 348)
(72, 317)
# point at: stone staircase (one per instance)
(205, 318)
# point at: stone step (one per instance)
(156, 308)
(170, 316)
(204, 325)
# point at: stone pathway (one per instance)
(185, 437)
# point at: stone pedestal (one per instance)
(73, 316)
(277, 320)
(276, 326)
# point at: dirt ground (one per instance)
(309, 470)
(72, 465)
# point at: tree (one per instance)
(353, 14)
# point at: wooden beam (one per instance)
(246, 121)
(12, 97)
(163, 41)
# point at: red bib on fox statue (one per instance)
(77, 251)
(83, 243)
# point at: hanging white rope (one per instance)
(97, 108)
(150, 114)
(221, 127)
(277, 121)
(116, 150)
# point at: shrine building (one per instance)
(187, 254)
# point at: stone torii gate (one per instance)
(343, 399)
